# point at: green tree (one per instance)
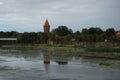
(98, 30)
(110, 32)
(77, 33)
(92, 30)
(84, 31)
(62, 31)
(29, 37)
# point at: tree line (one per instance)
(64, 35)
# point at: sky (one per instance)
(30, 15)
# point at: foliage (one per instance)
(62, 31)
(63, 35)
(110, 32)
(8, 34)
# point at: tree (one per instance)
(62, 31)
(110, 32)
(29, 37)
(99, 31)
(92, 30)
(44, 38)
(84, 31)
(77, 33)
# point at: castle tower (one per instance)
(46, 26)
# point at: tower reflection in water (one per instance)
(60, 59)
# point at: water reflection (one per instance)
(41, 65)
(46, 66)
(61, 62)
(60, 59)
(46, 58)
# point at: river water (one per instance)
(28, 64)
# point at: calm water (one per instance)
(28, 64)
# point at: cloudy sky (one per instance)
(30, 15)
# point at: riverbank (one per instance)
(69, 50)
(92, 52)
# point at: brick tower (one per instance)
(46, 26)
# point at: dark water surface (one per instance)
(29, 65)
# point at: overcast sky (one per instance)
(30, 15)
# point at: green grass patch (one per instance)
(70, 50)
(105, 64)
(103, 49)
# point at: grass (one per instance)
(70, 50)
(105, 64)
(103, 49)
(93, 52)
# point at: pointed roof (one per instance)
(46, 23)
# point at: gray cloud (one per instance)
(29, 15)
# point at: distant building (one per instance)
(118, 34)
(8, 39)
(46, 26)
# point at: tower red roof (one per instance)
(46, 26)
(46, 23)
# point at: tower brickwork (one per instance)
(46, 27)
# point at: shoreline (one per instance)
(90, 52)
